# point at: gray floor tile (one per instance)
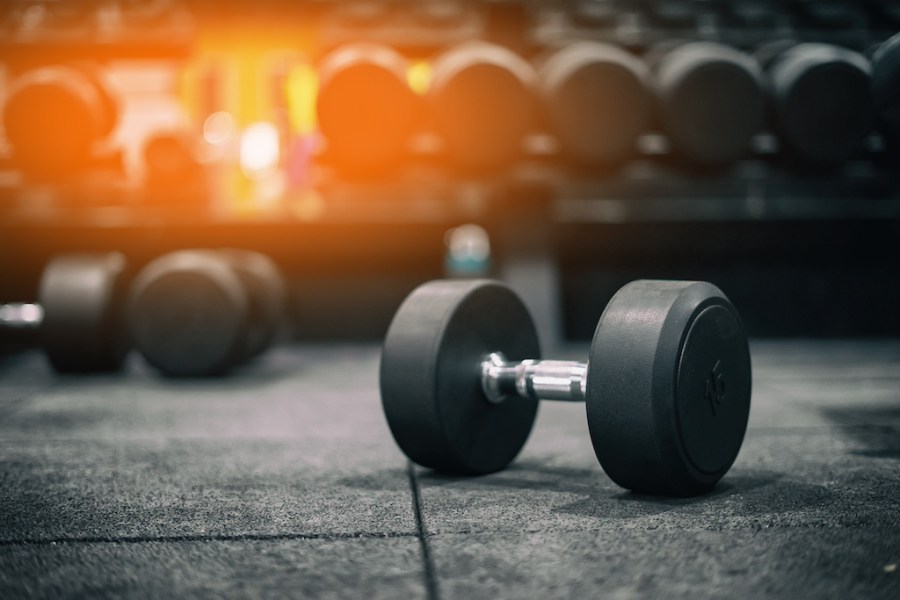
(623, 564)
(290, 445)
(824, 478)
(292, 568)
(294, 393)
(159, 488)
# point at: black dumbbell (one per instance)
(203, 312)
(170, 162)
(596, 98)
(79, 316)
(821, 99)
(667, 382)
(482, 99)
(367, 110)
(267, 292)
(54, 116)
(710, 100)
(886, 87)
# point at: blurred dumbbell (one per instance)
(821, 99)
(170, 160)
(267, 292)
(55, 116)
(710, 100)
(366, 108)
(886, 87)
(482, 99)
(596, 98)
(203, 312)
(667, 383)
(79, 317)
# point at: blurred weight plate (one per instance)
(189, 314)
(83, 297)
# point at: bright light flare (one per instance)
(218, 128)
(21, 315)
(302, 87)
(468, 250)
(419, 77)
(260, 149)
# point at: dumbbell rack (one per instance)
(822, 239)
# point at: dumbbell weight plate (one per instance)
(597, 100)
(266, 292)
(481, 97)
(711, 101)
(431, 380)
(668, 388)
(189, 314)
(82, 296)
(367, 111)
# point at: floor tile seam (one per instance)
(169, 539)
(429, 568)
(883, 532)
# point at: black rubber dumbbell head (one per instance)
(430, 378)
(83, 299)
(710, 99)
(822, 102)
(367, 110)
(482, 99)
(596, 98)
(266, 292)
(189, 313)
(54, 115)
(668, 388)
(886, 84)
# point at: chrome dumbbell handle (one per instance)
(21, 315)
(533, 379)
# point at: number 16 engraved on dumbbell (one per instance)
(461, 378)
(715, 387)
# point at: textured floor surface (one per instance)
(284, 481)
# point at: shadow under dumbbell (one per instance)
(757, 493)
(525, 475)
(875, 428)
(530, 475)
(257, 372)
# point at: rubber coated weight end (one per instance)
(886, 82)
(266, 292)
(668, 390)
(189, 313)
(822, 101)
(596, 98)
(83, 298)
(711, 101)
(482, 99)
(430, 376)
(367, 110)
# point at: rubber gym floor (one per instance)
(283, 481)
